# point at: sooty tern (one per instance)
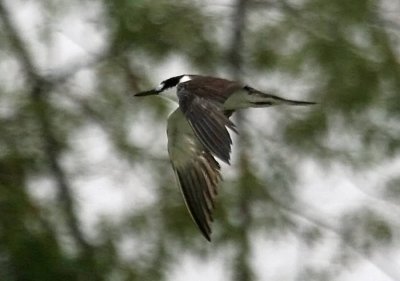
(197, 133)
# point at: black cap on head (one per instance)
(164, 85)
(171, 82)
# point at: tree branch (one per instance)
(17, 43)
(243, 271)
(40, 87)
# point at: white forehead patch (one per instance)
(159, 87)
(184, 78)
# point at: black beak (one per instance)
(146, 93)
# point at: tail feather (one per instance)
(262, 100)
(251, 97)
(296, 102)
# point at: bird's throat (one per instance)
(170, 94)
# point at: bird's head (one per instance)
(164, 86)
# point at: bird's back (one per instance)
(213, 89)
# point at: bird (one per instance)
(198, 134)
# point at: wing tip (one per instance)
(207, 236)
(205, 229)
(198, 216)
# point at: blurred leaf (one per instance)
(392, 189)
(366, 230)
(153, 28)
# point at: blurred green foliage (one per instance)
(159, 29)
(346, 52)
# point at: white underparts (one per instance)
(237, 100)
(242, 99)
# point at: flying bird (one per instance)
(198, 133)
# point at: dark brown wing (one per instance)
(197, 171)
(209, 123)
(213, 89)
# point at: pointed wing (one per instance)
(208, 122)
(197, 171)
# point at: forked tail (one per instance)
(260, 100)
(296, 102)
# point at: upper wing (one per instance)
(196, 169)
(209, 123)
